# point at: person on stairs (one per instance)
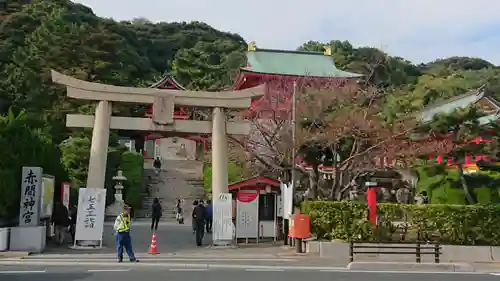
(199, 217)
(156, 212)
(123, 238)
(157, 165)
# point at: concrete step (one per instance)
(177, 165)
(178, 178)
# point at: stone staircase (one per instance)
(177, 179)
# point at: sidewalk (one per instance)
(10, 255)
(173, 260)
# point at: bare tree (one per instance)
(335, 117)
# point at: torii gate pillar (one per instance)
(219, 153)
(99, 147)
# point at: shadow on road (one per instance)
(170, 237)
(66, 276)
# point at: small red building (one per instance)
(257, 207)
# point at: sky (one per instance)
(420, 31)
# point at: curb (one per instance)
(146, 255)
(151, 259)
(173, 265)
(398, 266)
(10, 255)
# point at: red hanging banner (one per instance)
(371, 198)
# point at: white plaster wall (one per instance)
(176, 149)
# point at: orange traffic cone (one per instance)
(152, 248)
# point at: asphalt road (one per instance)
(89, 274)
(13, 273)
(171, 237)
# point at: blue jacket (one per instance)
(209, 211)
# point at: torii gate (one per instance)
(161, 121)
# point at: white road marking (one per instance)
(109, 270)
(495, 273)
(23, 271)
(412, 272)
(159, 259)
(265, 269)
(188, 269)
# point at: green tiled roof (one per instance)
(294, 63)
(450, 105)
(462, 101)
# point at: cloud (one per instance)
(420, 31)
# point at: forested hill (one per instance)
(69, 37)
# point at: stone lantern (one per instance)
(116, 208)
(119, 180)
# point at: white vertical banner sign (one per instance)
(47, 199)
(31, 196)
(90, 218)
(279, 205)
(65, 194)
(223, 219)
(247, 216)
(287, 194)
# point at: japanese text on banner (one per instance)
(30, 196)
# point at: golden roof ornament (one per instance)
(252, 47)
(328, 51)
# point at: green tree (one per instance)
(234, 174)
(23, 144)
(459, 129)
(208, 65)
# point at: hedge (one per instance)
(448, 224)
(132, 166)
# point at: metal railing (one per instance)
(402, 248)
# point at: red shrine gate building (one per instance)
(278, 70)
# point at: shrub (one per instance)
(444, 187)
(234, 172)
(450, 224)
(132, 166)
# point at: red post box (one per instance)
(301, 226)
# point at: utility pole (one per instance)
(288, 241)
(294, 131)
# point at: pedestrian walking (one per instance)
(156, 212)
(61, 220)
(199, 217)
(157, 165)
(72, 227)
(179, 216)
(209, 216)
(193, 222)
(123, 238)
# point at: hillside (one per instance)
(70, 38)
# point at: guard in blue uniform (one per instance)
(123, 238)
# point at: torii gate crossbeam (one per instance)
(162, 120)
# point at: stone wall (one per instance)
(450, 253)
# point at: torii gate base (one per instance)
(161, 121)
